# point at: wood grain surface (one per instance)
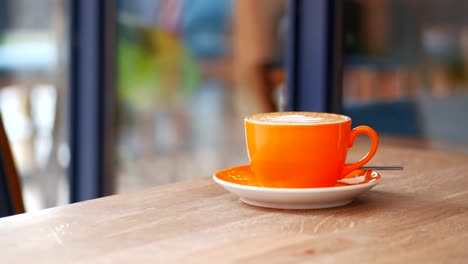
(419, 215)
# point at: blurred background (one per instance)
(408, 62)
(187, 72)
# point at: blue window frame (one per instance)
(313, 56)
(91, 99)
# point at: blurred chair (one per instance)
(11, 201)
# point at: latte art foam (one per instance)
(293, 119)
(302, 118)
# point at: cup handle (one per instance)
(348, 168)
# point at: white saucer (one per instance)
(236, 180)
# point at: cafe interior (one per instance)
(113, 98)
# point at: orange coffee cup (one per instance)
(302, 149)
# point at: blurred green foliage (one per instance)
(155, 69)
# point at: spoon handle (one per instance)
(382, 167)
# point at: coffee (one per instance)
(302, 149)
(302, 118)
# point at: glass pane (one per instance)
(406, 69)
(33, 89)
(188, 72)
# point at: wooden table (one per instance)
(419, 215)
